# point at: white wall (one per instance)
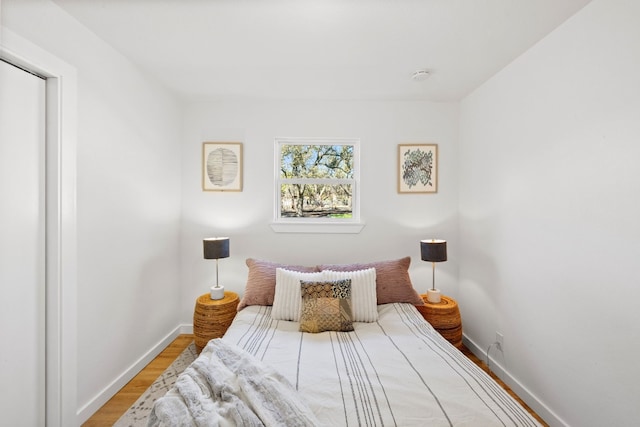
(549, 214)
(394, 222)
(128, 200)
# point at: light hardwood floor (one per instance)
(120, 403)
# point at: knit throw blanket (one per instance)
(226, 386)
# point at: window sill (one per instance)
(324, 228)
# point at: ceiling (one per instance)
(321, 49)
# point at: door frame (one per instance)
(61, 224)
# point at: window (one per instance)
(317, 182)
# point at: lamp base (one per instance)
(433, 295)
(217, 292)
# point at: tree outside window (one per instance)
(316, 179)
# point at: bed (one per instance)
(382, 365)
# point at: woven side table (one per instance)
(211, 317)
(444, 317)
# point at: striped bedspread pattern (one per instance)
(397, 371)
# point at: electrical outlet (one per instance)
(500, 339)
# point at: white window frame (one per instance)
(317, 225)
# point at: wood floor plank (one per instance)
(120, 403)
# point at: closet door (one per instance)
(22, 247)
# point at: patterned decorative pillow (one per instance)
(286, 300)
(261, 281)
(326, 306)
(393, 283)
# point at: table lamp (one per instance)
(433, 251)
(216, 248)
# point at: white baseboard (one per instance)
(109, 391)
(530, 399)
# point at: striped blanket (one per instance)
(397, 371)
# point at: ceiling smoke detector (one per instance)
(420, 75)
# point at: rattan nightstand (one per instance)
(211, 317)
(444, 317)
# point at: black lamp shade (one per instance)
(216, 247)
(433, 250)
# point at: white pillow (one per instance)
(287, 297)
(364, 302)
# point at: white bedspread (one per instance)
(226, 386)
(395, 372)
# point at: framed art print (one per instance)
(222, 166)
(417, 168)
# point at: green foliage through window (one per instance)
(316, 180)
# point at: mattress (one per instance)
(397, 371)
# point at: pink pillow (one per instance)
(393, 283)
(261, 281)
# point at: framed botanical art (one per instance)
(417, 168)
(222, 166)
